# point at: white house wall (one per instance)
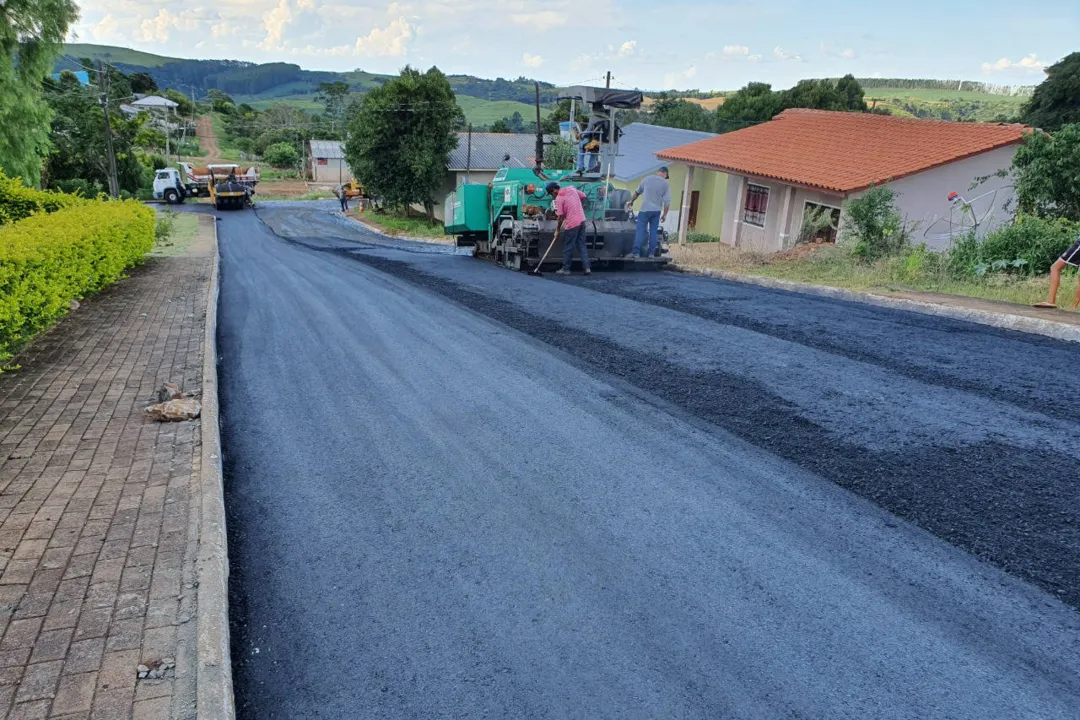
(923, 198)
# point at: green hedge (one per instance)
(18, 202)
(48, 260)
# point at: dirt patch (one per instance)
(204, 129)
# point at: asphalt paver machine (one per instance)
(511, 220)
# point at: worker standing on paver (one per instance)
(571, 225)
(654, 210)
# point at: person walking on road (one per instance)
(1069, 257)
(571, 225)
(654, 210)
(343, 197)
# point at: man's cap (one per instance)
(552, 188)
(665, 170)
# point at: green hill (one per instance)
(116, 55)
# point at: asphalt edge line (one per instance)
(214, 685)
(1007, 321)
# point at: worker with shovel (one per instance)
(571, 225)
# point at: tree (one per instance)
(1047, 170)
(681, 113)
(77, 139)
(400, 140)
(184, 107)
(32, 36)
(561, 155)
(282, 155)
(333, 96)
(221, 102)
(853, 98)
(501, 127)
(1056, 101)
(143, 83)
(752, 104)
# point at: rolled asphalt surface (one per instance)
(458, 491)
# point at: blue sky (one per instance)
(645, 43)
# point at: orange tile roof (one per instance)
(840, 151)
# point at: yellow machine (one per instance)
(353, 189)
(228, 188)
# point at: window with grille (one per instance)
(757, 205)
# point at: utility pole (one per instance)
(468, 158)
(103, 86)
(609, 80)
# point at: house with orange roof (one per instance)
(945, 174)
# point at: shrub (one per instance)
(281, 155)
(157, 162)
(874, 227)
(82, 188)
(693, 236)
(245, 145)
(48, 260)
(18, 201)
(163, 226)
(1028, 245)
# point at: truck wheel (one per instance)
(172, 197)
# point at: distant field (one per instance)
(124, 56)
(707, 103)
(941, 95)
(477, 111)
(485, 112)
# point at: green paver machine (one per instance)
(512, 220)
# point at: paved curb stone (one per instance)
(215, 687)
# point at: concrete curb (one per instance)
(1007, 321)
(214, 679)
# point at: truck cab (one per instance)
(168, 186)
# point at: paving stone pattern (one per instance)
(98, 522)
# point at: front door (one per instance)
(695, 198)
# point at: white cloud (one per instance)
(158, 27)
(533, 61)
(106, 29)
(1028, 64)
(736, 50)
(389, 41)
(781, 54)
(829, 50)
(628, 48)
(274, 22)
(541, 20)
(673, 79)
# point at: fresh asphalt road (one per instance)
(456, 491)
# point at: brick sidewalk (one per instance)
(99, 526)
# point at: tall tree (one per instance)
(401, 138)
(1056, 101)
(1047, 169)
(32, 36)
(143, 83)
(334, 96)
(681, 113)
(752, 104)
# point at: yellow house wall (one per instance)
(712, 194)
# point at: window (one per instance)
(757, 205)
(163, 175)
(820, 223)
(323, 161)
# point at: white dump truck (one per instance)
(174, 185)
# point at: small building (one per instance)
(637, 159)
(478, 162)
(807, 161)
(328, 162)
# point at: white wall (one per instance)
(923, 198)
(334, 171)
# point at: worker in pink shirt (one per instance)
(571, 225)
